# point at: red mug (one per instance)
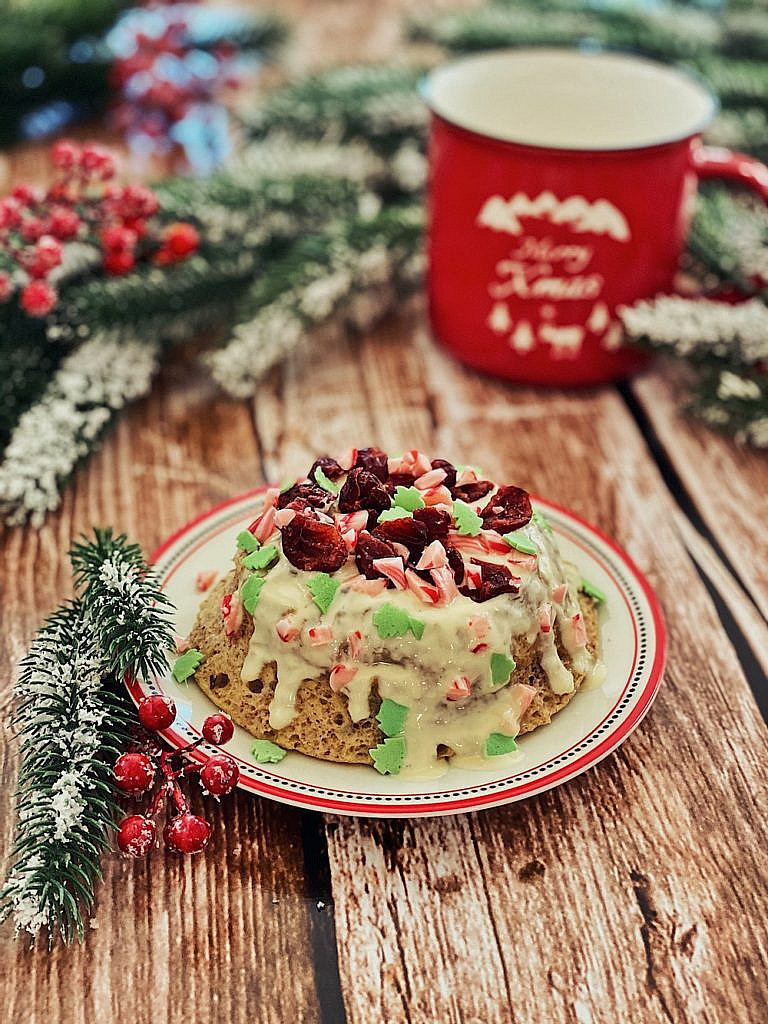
(561, 186)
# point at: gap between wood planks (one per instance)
(735, 604)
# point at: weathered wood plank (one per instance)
(613, 893)
(727, 482)
(224, 937)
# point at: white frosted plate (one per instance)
(592, 725)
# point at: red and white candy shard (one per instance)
(460, 689)
(232, 613)
(341, 675)
(204, 580)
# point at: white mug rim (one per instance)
(672, 73)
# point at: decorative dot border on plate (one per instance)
(593, 724)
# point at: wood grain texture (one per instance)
(613, 893)
(726, 482)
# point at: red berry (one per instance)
(136, 201)
(38, 298)
(64, 222)
(27, 195)
(134, 772)
(119, 261)
(157, 712)
(35, 266)
(65, 154)
(9, 213)
(219, 774)
(117, 237)
(218, 729)
(48, 251)
(6, 286)
(181, 240)
(96, 161)
(33, 228)
(187, 833)
(136, 835)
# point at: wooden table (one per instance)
(635, 893)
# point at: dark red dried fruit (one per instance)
(308, 495)
(369, 548)
(399, 480)
(407, 531)
(436, 520)
(497, 579)
(456, 563)
(329, 466)
(374, 460)
(363, 490)
(450, 471)
(313, 546)
(508, 509)
(472, 492)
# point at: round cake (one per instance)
(400, 612)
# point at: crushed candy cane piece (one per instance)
(479, 625)
(467, 476)
(204, 580)
(393, 569)
(348, 459)
(402, 550)
(545, 617)
(355, 643)
(559, 592)
(425, 592)
(413, 461)
(366, 586)
(525, 695)
(579, 630)
(494, 542)
(284, 516)
(459, 689)
(473, 576)
(433, 556)
(446, 584)
(263, 527)
(232, 613)
(468, 545)
(181, 643)
(431, 479)
(287, 630)
(320, 635)
(439, 495)
(340, 676)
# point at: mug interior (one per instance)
(568, 99)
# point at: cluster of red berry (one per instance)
(84, 205)
(137, 773)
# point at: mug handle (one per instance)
(718, 162)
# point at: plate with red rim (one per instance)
(590, 727)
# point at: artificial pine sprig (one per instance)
(73, 718)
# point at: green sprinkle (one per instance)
(408, 498)
(518, 540)
(388, 756)
(286, 485)
(261, 559)
(266, 752)
(323, 589)
(247, 541)
(502, 668)
(391, 717)
(497, 743)
(592, 591)
(186, 665)
(251, 592)
(391, 621)
(541, 520)
(324, 481)
(468, 522)
(394, 513)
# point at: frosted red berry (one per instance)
(187, 833)
(134, 772)
(119, 261)
(219, 774)
(64, 223)
(218, 729)
(65, 155)
(38, 298)
(48, 251)
(33, 228)
(118, 237)
(136, 835)
(157, 712)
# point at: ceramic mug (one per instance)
(561, 185)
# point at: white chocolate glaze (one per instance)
(418, 673)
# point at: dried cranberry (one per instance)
(436, 520)
(399, 480)
(496, 579)
(329, 466)
(456, 563)
(374, 460)
(508, 509)
(405, 531)
(450, 470)
(313, 546)
(308, 495)
(368, 549)
(472, 492)
(363, 490)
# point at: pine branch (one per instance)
(73, 724)
(123, 602)
(730, 235)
